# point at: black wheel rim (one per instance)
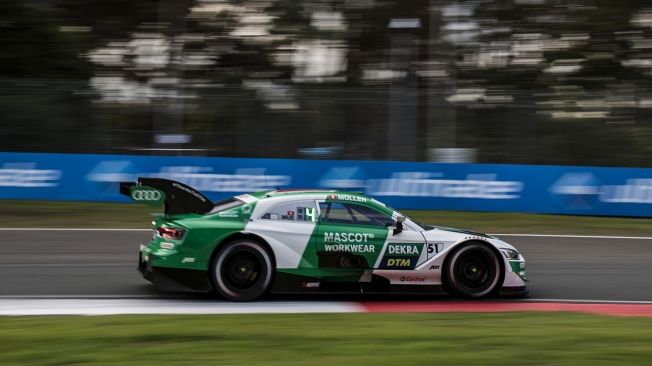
(475, 270)
(241, 270)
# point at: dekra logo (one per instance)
(403, 249)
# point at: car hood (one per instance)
(448, 234)
(463, 231)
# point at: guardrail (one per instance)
(407, 185)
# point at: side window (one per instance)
(298, 211)
(351, 213)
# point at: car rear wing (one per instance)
(177, 197)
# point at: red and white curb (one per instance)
(142, 306)
(615, 309)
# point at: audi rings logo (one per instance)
(146, 195)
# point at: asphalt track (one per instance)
(81, 263)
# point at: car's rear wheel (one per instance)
(242, 270)
(474, 270)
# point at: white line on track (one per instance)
(157, 306)
(217, 301)
(578, 236)
(580, 301)
(500, 234)
(130, 304)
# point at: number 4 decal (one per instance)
(434, 248)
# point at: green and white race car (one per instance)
(285, 241)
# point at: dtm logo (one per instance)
(399, 262)
(147, 195)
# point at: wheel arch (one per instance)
(243, 235)
(237, 236)
(449, 255)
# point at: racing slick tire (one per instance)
(474, 271)
(242, 270)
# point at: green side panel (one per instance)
(518, 267)
(365, 241)
(203, 234)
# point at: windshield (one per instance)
(226, 204)
(421, 225)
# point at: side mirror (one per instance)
(399, 225)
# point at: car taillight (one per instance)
(169, 233)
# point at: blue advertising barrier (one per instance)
(407, 185)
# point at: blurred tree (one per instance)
(528, 81)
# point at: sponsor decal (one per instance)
(25, 175)
(518, 268)
(473, 237)
(188, 260)
(412, 279)
(309, 284)
(398, 262)
(190, 191)
(147, 195)
(404, 249)
(306, 214)
(347, 237)
(424, 184)
(433, 249)
(401, 256)
(228, 213)
(353, 248)
(166, 245)
(581, 190)
(246, 209)
(201, 178)
(433, 268)
(347, 197)
(633, 191)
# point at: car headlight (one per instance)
(510, 254)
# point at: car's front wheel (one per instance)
(242, 270)
(474, 271)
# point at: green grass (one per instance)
(328, 339)
(103, 215)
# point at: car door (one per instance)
(353, 235)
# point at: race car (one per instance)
(327, 241)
